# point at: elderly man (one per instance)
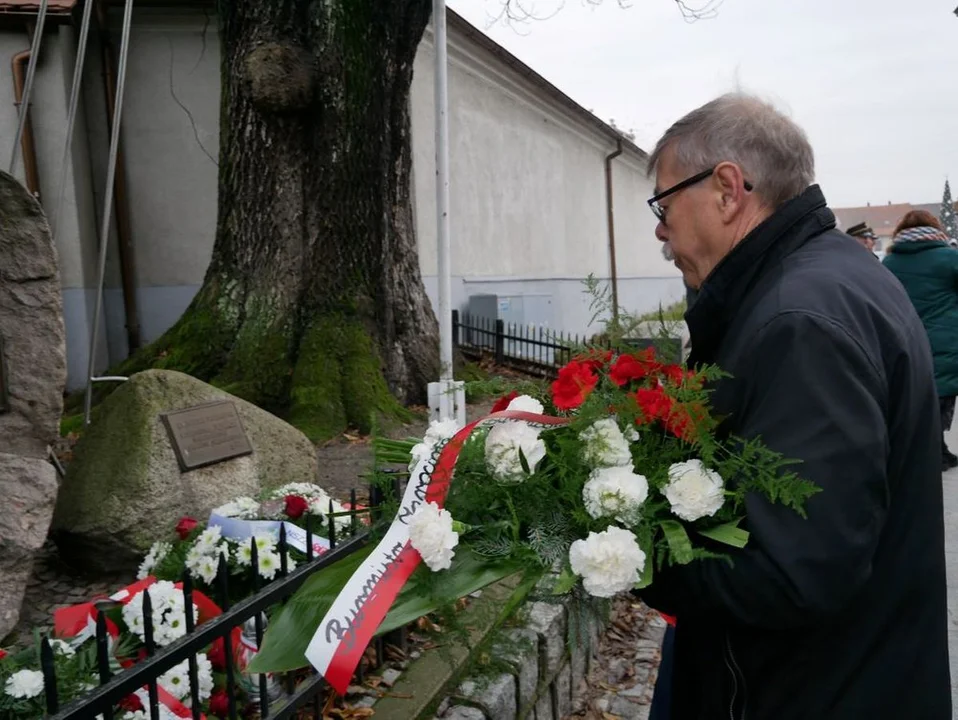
(841, 615)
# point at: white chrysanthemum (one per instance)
(245, 508)
(608, 562)
(605, 444)
(243, 554)
(208, 540)
(432, 536)
(503, 444)
(694, 491)
(526, 403)
(169, 613)
(615, 492)
(24, 684)
(300, 489)
(157, 553)
(268, 565)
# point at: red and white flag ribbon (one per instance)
(344, 633)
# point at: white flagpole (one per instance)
(447, 397)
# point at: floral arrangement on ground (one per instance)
(208, 551)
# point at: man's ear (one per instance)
(731, 185)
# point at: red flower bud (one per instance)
(185, 526)
(219, 704)
(296, 506)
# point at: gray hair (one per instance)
(773, 152)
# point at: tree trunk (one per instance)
(313, 305)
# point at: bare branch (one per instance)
(512, 12)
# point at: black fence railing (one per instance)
(538, 350)
(297, 694)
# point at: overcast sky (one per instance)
(874, 83)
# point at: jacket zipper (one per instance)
(733, 667)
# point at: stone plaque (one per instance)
(4, 396)
(206, 434)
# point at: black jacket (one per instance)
(841, 616)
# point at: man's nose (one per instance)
(661, 232)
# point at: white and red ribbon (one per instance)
(347, 628)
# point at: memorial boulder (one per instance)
(164, 445)
(32, 378)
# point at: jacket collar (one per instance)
(905, 248)
(724, 291)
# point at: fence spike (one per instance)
(283, 551)
(193, 674)
(48, 667)
(103, 656)
(332, 526)
(354, 518)
(309, 537)
(150, 644)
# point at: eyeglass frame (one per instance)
(660, 211)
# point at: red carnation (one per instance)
(217, 655)
(576, 380)
(596, 359)
(185, 526)
(503, 402)
(627, 368)
(219, 704)
(3, 654)
(296, 506)
(654, 403)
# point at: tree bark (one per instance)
(313, 305)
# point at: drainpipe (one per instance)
(610, 214)
(124, 234)
(31, 173)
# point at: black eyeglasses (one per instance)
(688, 182)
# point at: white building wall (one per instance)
(528, 194)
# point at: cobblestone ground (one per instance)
(950, 487)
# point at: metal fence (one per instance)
(295, 692)
(539, 350)
(536, 350)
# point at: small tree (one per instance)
(948, 218)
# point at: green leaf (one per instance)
(679, 544)
(647, 572)
(291, 629)
(565, 582)
(524, 462)
(729, 534)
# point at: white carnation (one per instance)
(609, 562)
(24, 684)
(694, 491)
(605, 444)
(439, 430)
(525, 403)
(615, 492)
(503, 444)
(432, 536)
